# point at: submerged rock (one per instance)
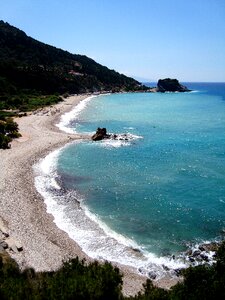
(165, 268)
(196, 253)
(171, 85)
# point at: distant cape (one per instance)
(170, 85)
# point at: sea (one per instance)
(148, 196)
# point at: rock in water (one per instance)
(171, 85)
(100, 134)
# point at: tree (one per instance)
(8, 131)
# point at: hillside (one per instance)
(30, 67)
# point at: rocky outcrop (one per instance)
(203, 253)
(100, 134)
(171, 85)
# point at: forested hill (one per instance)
(28, 65)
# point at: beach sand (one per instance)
(23, 210)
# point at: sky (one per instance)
(145, 39)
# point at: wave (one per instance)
(71, 214)
(123, 139)
(194, 91)
(66, 118)
(94, 237)
(130, 128)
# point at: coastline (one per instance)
(22, 207)
(23, 210)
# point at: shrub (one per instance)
(4, 141)
(8, 130)
(75, 280)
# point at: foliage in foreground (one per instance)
(8, 131)
(76, 280)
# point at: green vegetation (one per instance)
(25, 102)
(31, 69)
(8, 130)
(33, 75)
(74, 280)
(77, 280)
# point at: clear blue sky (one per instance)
(148, 39)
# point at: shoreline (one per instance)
(45, 245)
(35, 229)
(23, 210)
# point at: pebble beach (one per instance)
(23, 211)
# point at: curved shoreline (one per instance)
(23, 210)
(22, 207)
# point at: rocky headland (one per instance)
(101, 134)
(170, 85)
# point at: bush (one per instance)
(4, 141)
(75, 280)
(8, 131)
(152, 292)
(203, 282)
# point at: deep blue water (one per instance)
(165, 188)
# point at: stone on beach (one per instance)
(4, 229)
(3, 245)
(14, 244)
(7, 241)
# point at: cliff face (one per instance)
(171, 85)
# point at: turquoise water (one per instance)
(164, 189)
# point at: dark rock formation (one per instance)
(171, 85)
(202, 253)
(179, 271)
(100, 134)
(152, 275)
(165, 268)
(209, 247)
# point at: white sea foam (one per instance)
(94, 237)
(194, 91)
(72, 115)
(114, 143)
(87, 229)
(129, 128)
(210, 255)
(124, 139)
